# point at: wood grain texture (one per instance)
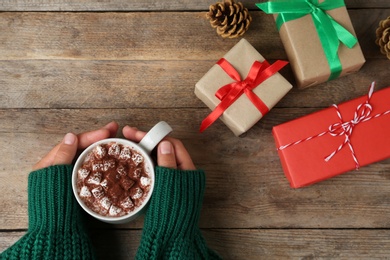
(253, 243)
(147, 35)
(139, 5)
(137, 62)
(169, 84)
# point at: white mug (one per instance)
(144, 147)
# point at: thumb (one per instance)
(166, 155)
(66, 150)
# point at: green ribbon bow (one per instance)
(330, 32)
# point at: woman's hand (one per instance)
(171, 152)
(65, 152)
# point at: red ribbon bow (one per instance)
(228, 94)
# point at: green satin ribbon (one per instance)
(330, 32)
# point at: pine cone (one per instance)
(230, 18)
(383, 36)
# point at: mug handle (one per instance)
(154, 136)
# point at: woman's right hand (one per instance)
(171, 152)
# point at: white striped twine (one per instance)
(362, 114)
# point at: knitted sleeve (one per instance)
(171, 223)
(54, 230)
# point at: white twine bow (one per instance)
(362, 113)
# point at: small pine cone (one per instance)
(231, 19)
(383, 37)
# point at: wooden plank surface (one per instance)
(147, 36)
(122, 84)
(77, 70)
(257, 244)
(141, 5)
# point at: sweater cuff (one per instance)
(51, 203)
(176, 202)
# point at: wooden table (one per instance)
(76, 65)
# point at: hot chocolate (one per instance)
(112, 180)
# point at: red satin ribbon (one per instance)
(228, 94)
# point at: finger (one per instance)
(66, 150)
(49, 159)
(166, 155)
(112, 127)
(183, 158)
(133, 134)
(88, 138)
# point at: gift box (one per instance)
(318, 38)
(241, 102)
(335, 140)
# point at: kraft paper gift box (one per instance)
(335, 140)
(302, 39)
(242, 114)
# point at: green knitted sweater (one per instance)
(56, 230)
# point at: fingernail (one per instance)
(165, 147)
(107, 125)
(69, 139)
(130, 127)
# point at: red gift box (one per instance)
(335, 140)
